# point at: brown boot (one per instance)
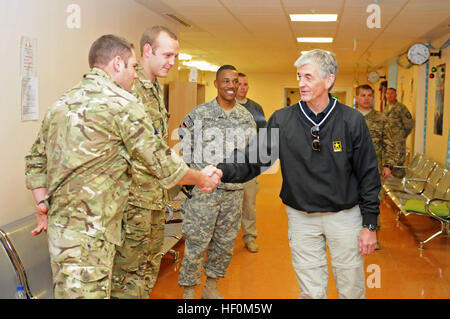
(252, 246)
(210, 290)
(189, 292)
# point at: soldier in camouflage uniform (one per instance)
(401, 122)
(211, 223)
(381, 134)
(380, 131)
(80, 162)
(136, 264)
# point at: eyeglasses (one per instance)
(315, 130)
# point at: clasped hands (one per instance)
(211, 180)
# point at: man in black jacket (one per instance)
(330, 180)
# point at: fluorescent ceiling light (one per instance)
(184, 57)
(315, 40)
(314, 17)
(202, 65)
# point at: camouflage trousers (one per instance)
(137, 261)
(81, 265)
(210, 227)
(401, 149)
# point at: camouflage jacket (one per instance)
(83, 152)
(146, 191)
(401, 120)
(209, 135)
(381, 134)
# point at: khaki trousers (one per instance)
(309, 234)
(248, 221)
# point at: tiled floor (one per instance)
(400, 268)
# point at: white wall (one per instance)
(61, 61)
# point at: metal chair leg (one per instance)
(441, 232)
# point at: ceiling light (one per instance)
(184, 57)
(202, 65)
(314, 17)
(315, 40)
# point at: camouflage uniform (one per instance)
(82, 155)
(401, 123)
(212, 221)
(381, 134)
(136, 264)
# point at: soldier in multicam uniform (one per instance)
(212, 222)
(80, 165)
(402, 123)
(381, 134)
(137, 262)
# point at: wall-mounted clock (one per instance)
(418, 53)
(373, 77)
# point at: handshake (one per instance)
(211, 178)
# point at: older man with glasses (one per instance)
(330, 180)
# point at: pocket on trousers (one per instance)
(136, 233)
(85, 274)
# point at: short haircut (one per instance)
(224, 67)
(107, 47)
(149, 36)
(364, 87)
(242, 74)
(325, 59)
(392, 89)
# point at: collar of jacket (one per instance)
(142, 77)
(104, 79)
(219, 112)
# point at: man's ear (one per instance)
(330, 81)
(215, 84)
(147, 50)
(117, 64)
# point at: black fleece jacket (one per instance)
(342, 174)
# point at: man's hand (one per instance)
(386, 172)
(210, 170)
(367, 241)
(41, 218)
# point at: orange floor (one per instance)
(404, 270)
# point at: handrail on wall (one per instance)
(16, 262)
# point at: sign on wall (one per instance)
(29, 85)
(439, 99)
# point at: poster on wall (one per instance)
(439, 99)
(30, 99)
(29, 81)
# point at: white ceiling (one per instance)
(258, 36)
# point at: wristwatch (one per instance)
(42, 202)
(370, 227)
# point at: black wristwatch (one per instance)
(370, 227)
(42, 202)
